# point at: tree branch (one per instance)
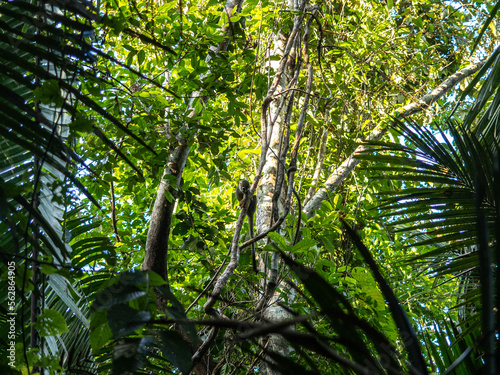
(344, 169)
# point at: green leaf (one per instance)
(82, 124)
(50, 323)
(129, 354)
(176, 350)
(123, 319)
(303, 246)
(280, 240)
(141, 56)
(116, 295)
(49, 93)
(176, 311)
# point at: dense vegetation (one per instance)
(368, 131)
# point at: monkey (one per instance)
(250, 203)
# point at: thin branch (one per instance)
(319, 166)
(113, 212)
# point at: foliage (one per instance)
(95, 100)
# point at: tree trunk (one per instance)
(155, 258)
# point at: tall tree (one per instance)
(171, 105)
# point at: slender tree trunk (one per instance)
(275, 190)
(319, 166)
(155, 258)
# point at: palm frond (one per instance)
(44, 47)
(444, 170)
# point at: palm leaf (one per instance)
(445, 170)
(452, 204)
(43, 46)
